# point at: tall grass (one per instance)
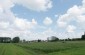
(44, 48)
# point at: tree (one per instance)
(83, 37)
(39, 40)
(24, 40)
(16, 40)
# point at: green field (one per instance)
(43, 48)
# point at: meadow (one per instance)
(43, 48)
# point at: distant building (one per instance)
(52, 38)
(5, 39)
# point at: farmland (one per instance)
(43, 48)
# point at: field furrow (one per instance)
(43, 48)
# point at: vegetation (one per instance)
(5, 39)
(16, 40)
(54, 46)
(83, 37)
(43, 48)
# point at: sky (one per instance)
(39, 19)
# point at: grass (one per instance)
(43, 48)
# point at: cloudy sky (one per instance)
(39, 19)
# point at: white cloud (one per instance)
(1, 10)
(62, 24)
(74, 11)
(24, 24)
(10, 25)
(43, 35)
(4, 25)
(47, 21)
(63, 20)
(76, 14)
(71, 28)
(81, 18)
(6, 4)
(34, 22)
(37, 5)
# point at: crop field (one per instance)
(43, 48)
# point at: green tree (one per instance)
(16, 39)
(39, 40)
(83, 37)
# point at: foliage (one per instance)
(56, 48)
(39, 40)
(16, 40)
(5, 39)
(83, 37)
(43, 48)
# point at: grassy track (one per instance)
(49, 48)
(11, 49)
(56, 48)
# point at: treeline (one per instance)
(9, 40)
(15, 40)
(49, 39)
(54, 38)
